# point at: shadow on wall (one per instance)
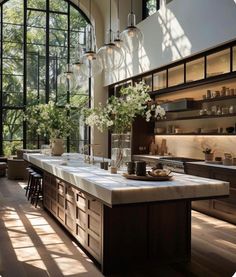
(174, 45)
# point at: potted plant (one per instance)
(118, 115)
(51, 121)
(209, 154)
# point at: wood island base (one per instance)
(122, 236)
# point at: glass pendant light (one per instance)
(91, 63)
(118, 42)
(132, 36)
(111, 55)
(67, 78)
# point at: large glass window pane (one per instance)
(159, 80)
(36, 19)
(12, 66)
(13, 33)
(39, 4)
(36, 35)
(13, 12)
(195, 70)
(77, 22)
(58, 38)
(176, 75)
(12, 83)
(58, 5)
(14, 50)
(218, 63)
(12, 99)
(58, 21)
(13, 125)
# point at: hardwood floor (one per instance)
(33, 244)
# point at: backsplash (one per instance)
(192, 146)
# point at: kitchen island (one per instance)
(123, 223)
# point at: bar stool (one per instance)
(29, 170)
(37, 192)
(31, 183)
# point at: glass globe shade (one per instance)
(111, 56)
(67, 80)
(132, 38)
(91, 65)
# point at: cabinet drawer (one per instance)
(94, 224)
(94, 246)
(69, 193)
(81, 235)
(94, 206)
(69, 222)
(61, 214)
(61, 200)
(81, 218)
(70, 209)
(61, 188)
(81, 201)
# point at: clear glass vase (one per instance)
(120, 150)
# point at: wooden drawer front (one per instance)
(69, 222)
(94, 224)
(54, 194)
(69, 193)
(81, 235)
(54, 207)
(94, 206)
(47, 190)
(94, 247)
(47, 202)
(61, 214)
(61, 200)
(70, 209)
(54, 182)
(81, 202)
(201, 205)
(197, 170)
(81, 218)
(61, 188)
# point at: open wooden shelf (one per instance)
(197, 134)
(197, 117)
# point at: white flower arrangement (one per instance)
(120, 112)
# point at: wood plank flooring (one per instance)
(33, 244)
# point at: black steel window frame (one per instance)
(24, 59)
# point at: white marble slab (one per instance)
(215, 165)
(115, 189)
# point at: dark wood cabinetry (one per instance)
(224, 208)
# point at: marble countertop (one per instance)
(114, 189)
(215, 165)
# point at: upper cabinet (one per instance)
(159, 80)
(218, 63)
(195, 70)
(176, 75)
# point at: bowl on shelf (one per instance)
(160, 130)
(229, 130)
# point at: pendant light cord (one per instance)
(90, 31)
(131, 7)
(110, 23)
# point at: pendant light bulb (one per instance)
(132, 36)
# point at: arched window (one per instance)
(38, 39)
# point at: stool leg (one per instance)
(28, 185)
